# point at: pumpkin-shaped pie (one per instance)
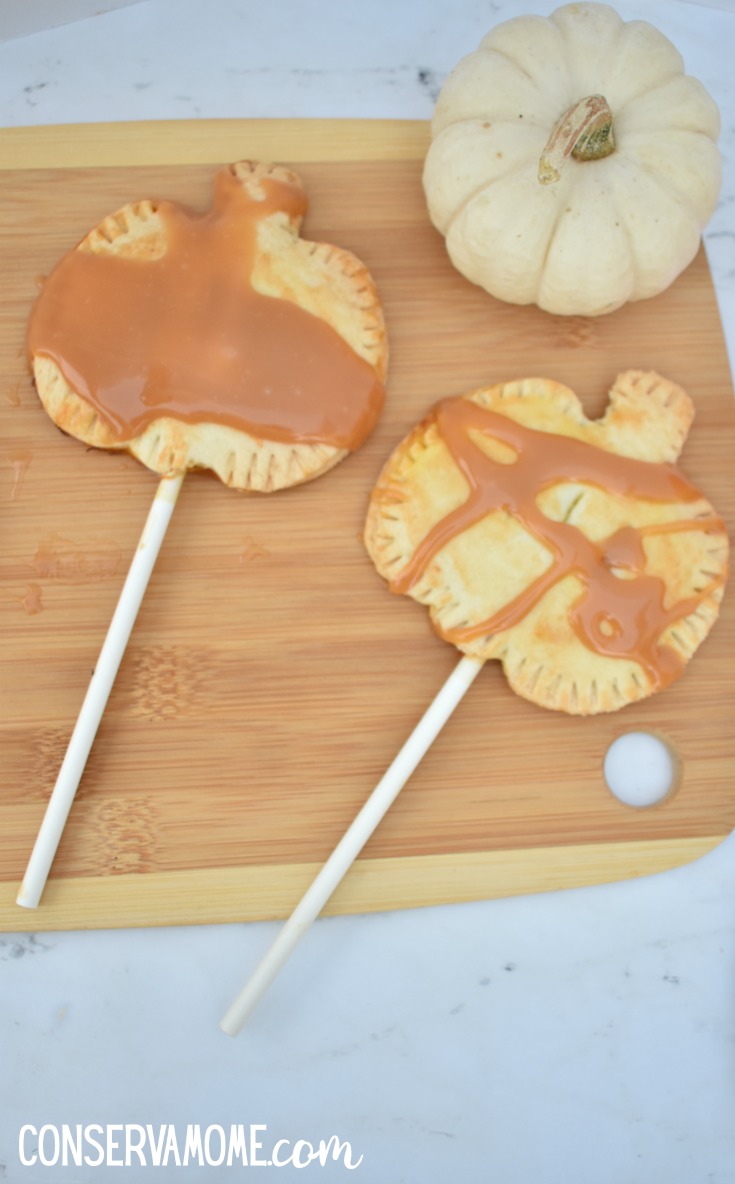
(574, 551)
(220, 340)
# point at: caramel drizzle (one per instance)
(614, 616)
(186, 335)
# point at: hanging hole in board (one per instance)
(641, 769)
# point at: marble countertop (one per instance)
(585, 1035)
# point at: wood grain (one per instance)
(271, 677)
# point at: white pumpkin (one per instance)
(573, 164)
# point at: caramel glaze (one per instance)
(186, 335)
(621, 617)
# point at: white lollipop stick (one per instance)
(98, 691)
(352, 842)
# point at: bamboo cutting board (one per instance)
(271, 677)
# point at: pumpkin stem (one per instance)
(584, 132)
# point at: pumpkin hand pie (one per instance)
(574, 551)
(221, 340)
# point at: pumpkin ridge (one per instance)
(632, 255)
(485, 185)
(452, 199)
(464, 208)
(668, 195)
(627, 104)
(614, 33)
(674, 96)
(549, 244)
(503, 53)
(460, 77)
(674, 194)
(671, 187)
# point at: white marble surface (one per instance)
(584, 1036)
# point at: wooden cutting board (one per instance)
(271, 676)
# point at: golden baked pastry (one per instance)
(222, 341)
(572, 550)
